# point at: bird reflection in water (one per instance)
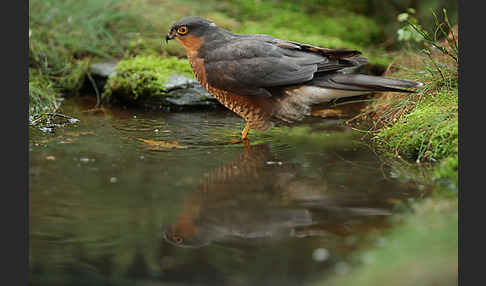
(258, 197)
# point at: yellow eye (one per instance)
(182, 30)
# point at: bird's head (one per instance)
(189, 31)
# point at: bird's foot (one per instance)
(244, 137)
(245, 141)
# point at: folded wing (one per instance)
(253, 64)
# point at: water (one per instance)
(127, 197)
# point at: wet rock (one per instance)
(182, 93)
(177, 81)
(103, 69)
(191, 96)
(99, 73)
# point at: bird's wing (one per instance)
(330, 53)
(251, 65)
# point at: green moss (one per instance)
(42, 96)
(429, 132)
(143, 76)
(420, 251)
(74, 77)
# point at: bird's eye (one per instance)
(182, 30)
(178, 239)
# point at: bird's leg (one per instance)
(244, 139)
(245, 132)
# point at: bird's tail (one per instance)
(364, 83)
(297, 102)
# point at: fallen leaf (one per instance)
(67, 141)
(75, 134)
(327, 113)
(161, 144)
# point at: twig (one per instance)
(34, 122)
(98, 100)
(61, 115)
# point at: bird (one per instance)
(269, 81)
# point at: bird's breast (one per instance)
(199, 69)
(197, 65)
(244, 106)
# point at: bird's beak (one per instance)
(170, 35)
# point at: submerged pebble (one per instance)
(46, 129)
(320, 254)
(274, 163)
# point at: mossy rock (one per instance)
(143, 76)
(156, 82)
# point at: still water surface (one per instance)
(129, 197)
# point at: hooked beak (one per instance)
(170, 35)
